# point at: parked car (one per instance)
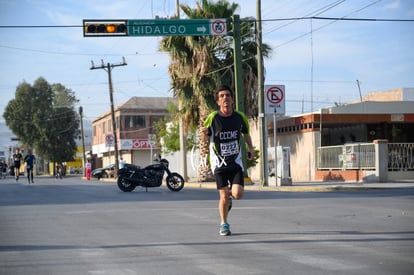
(104, 172)
(74, 170)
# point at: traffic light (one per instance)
(105, 28)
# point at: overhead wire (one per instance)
(313, 13)
(315, 16)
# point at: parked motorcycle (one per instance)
(152, 175)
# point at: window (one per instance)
(134, 122)
(109, 126)
(104, 127)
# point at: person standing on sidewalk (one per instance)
(121, 163)
(30, 160)
(225, 128)
(17, 159)
(88, 170)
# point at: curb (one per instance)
(290, 188)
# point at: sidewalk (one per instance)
(313, 186)
(302, 186)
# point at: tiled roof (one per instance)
(146, 103)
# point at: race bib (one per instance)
(229, 148)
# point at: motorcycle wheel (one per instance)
(175, 182)
(125, 185)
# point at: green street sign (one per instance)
(185, 27)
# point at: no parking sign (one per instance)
(109, 140)
(274, 96)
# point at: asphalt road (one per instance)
(72, 226)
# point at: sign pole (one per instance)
(274, 141)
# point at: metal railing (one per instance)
(400, 156)
(362, 156)
(328, 157)
(346, 157)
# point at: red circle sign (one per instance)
(274, 95)
(218, 26)
(109, 138)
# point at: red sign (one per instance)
(274, 99)
(274, 95)
(218, 27)
(141, 144)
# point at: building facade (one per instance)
(362, 122)
(134, 121)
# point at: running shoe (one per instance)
(230, 203)
(225, 229)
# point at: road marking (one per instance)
(79, 212)
(113, 271)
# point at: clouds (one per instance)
(392, 5)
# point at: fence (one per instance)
(348, 156)
(362, 156)
(400, 156)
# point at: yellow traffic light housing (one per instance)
(105, 28)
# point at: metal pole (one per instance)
(238, 76)
(116, 168)
(359, 89)
(260, 90)
(274, 141)
(108, 68)
(83, 140)
(183, 147)
(177, 8)
(238, 73)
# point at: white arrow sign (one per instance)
(202, 29)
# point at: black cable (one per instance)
(263, 20)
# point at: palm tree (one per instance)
(200, 63)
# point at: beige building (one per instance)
(385, 115)
(134, 120)
(375, 118)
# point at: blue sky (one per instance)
(318, 61)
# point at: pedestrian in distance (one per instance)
(225, 127)
(58, 171)
(88, 170)
(121, 163)
(17, 159)
(30, 160)
(3, 169)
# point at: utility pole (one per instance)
(359, 89)
(177, 9)
(238, 79)
(260, 88)
(238, 71)
(108, 67)
(183, 147)
(83, 140)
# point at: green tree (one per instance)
(28, 110)
(167, 130)
(200, 63)
(43, 117)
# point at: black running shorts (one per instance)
(231, 175)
